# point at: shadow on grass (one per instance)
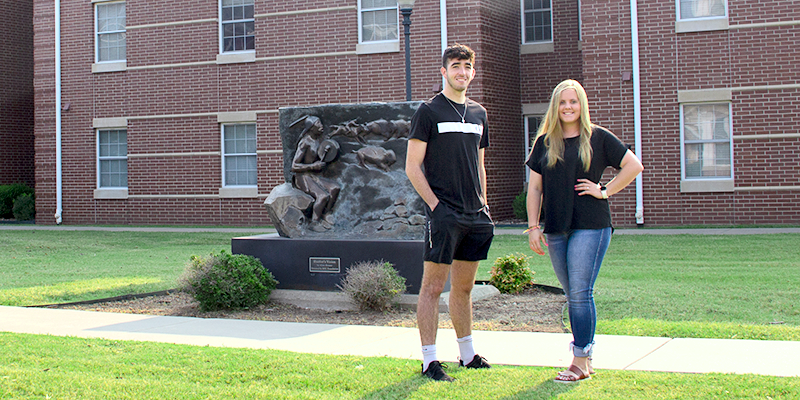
(545, 390)
(399, 390)
(66, 296)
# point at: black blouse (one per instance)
(562, 209)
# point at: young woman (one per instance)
(567, 162)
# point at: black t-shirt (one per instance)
(451, 157)
(562, 209)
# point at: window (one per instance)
(239, 155)
(237, 25)
(110, 32)
(531, 127)
(112, 160)
(693, 9)
(537, 17)
(707, 147)
(378, 21)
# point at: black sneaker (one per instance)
(477, 362)
(436, 372)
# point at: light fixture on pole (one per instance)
(405, 9)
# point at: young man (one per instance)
(445, 165)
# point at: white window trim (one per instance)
(522, 31)
(236, 191)
(230, 57)
(113, 192)
(711, 184)
(703, 24)
(531, 110)
(379, 46)
(537, 48)
(106, 66)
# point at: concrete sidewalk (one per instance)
(501, 348)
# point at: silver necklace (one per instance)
(454, 108)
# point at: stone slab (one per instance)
(290, 259)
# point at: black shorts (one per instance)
(453, 235)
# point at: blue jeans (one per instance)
(576, 257)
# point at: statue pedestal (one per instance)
(320, 264)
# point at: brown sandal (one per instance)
(571, 375)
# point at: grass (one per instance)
(715, 286)
(676, 286)
(709, 286)
(74, 368)
(42, 267)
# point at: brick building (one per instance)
(16, 93)
(173, 107)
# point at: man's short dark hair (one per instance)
(458, 52)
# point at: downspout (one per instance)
(637, 109)
(443, 22)
(58, 111)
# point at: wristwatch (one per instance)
(603, 191)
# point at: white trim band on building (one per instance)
(764, 25)
(765, 188)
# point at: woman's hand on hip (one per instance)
(587, 187)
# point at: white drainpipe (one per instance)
(58, 111)
(637, 109)
(443, 21)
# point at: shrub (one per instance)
(225, 281)
(24, 207)
(520, 206)
(9, 193)
(373, 284)
(510, 273)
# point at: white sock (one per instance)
(428, 355)
(465, 348)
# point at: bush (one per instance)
(373, 284)
(520, 206)
(510, 274)
(9, 193)
(225, 281)
(24, 207)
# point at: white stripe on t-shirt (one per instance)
(460, 127)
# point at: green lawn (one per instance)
(676, 286)
(720, 286)
(46, 367)
(42, 267)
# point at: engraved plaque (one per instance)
(326, 265)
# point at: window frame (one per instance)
(101, 158)
(700, 24)
(530, 137)
(680, 18)
(97, 34)
(221, 27)
(225, 154)
(524, 37)
(377, 46)
(703, 183)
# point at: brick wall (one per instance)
(500, 92)
(540, 73)
(733, 58)
(16, 93)
(165, 103)
(170, 108)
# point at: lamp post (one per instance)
(405, 9)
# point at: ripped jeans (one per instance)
(576, 257)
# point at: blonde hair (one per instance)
(553, 133)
